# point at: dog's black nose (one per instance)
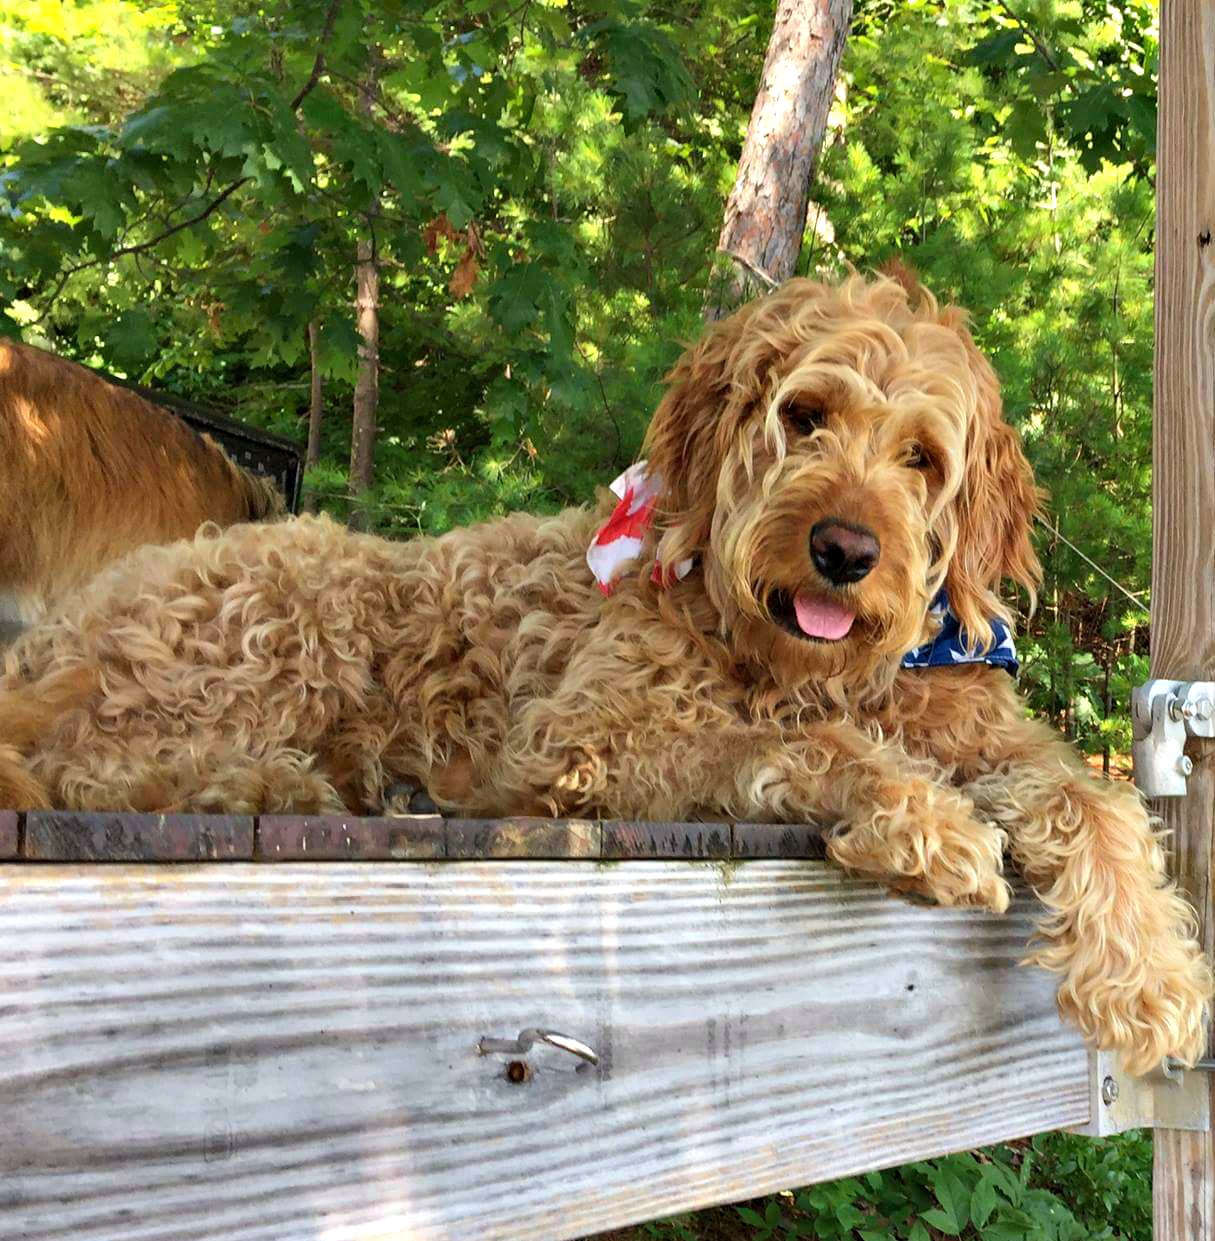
(843, 552)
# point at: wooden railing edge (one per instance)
(68, 836)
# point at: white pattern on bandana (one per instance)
(618, 541)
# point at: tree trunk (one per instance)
(367, 385)
(315, 410)
(766, 212)
(367, 321)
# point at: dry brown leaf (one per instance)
(465, 275)
(440, 226)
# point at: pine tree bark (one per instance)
(316, 408)
(367, 323)
(765, 215)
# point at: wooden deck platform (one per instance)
(266, 1048)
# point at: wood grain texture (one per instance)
(75, 836)
(665, 840)
(321, 838)
(777, 840)
(1182, 1203)
(289, 1053)
(9, 838)
(522, 838)
(1183, 573)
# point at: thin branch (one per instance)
(1039, 46)
(607, 405)
(318, 65)
(152, 243)
(751, 269)
(141, 247)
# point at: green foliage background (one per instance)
(179, 197)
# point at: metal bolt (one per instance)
(1185, 764)
(1203, 708)
(1109, 1091)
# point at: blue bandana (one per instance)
(949, 646)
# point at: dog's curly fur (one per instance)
(91, 471)
(302, 667)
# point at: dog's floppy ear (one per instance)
(995, 510)
(708, 391)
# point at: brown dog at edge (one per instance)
(91, 471)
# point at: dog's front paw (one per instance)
(1144, 1010)
(938, 852)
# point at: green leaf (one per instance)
(514, 299)
(943, 1220)
(130, 338)
(953, 1196)
(983, 1202)
(646, 74)
(998, 49)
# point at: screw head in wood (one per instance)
(1109, 1091)
(1185, 764)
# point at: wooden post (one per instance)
(1183, 570)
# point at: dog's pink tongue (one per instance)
(820, 618)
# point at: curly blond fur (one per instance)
(90, 471)
(303, 667)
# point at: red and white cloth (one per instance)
(618, 541)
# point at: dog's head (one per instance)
(833, 456)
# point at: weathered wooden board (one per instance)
(63, 835)
(1183, 571)
(288, 1053)
(9, 836)
(79, 836)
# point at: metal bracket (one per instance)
(1163, 715)
(1168, 1098)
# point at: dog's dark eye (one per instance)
(802, 417)
(917, 458)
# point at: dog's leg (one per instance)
(1134, 976)
(893, 820)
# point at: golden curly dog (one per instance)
(300, 667)
(90, 471)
